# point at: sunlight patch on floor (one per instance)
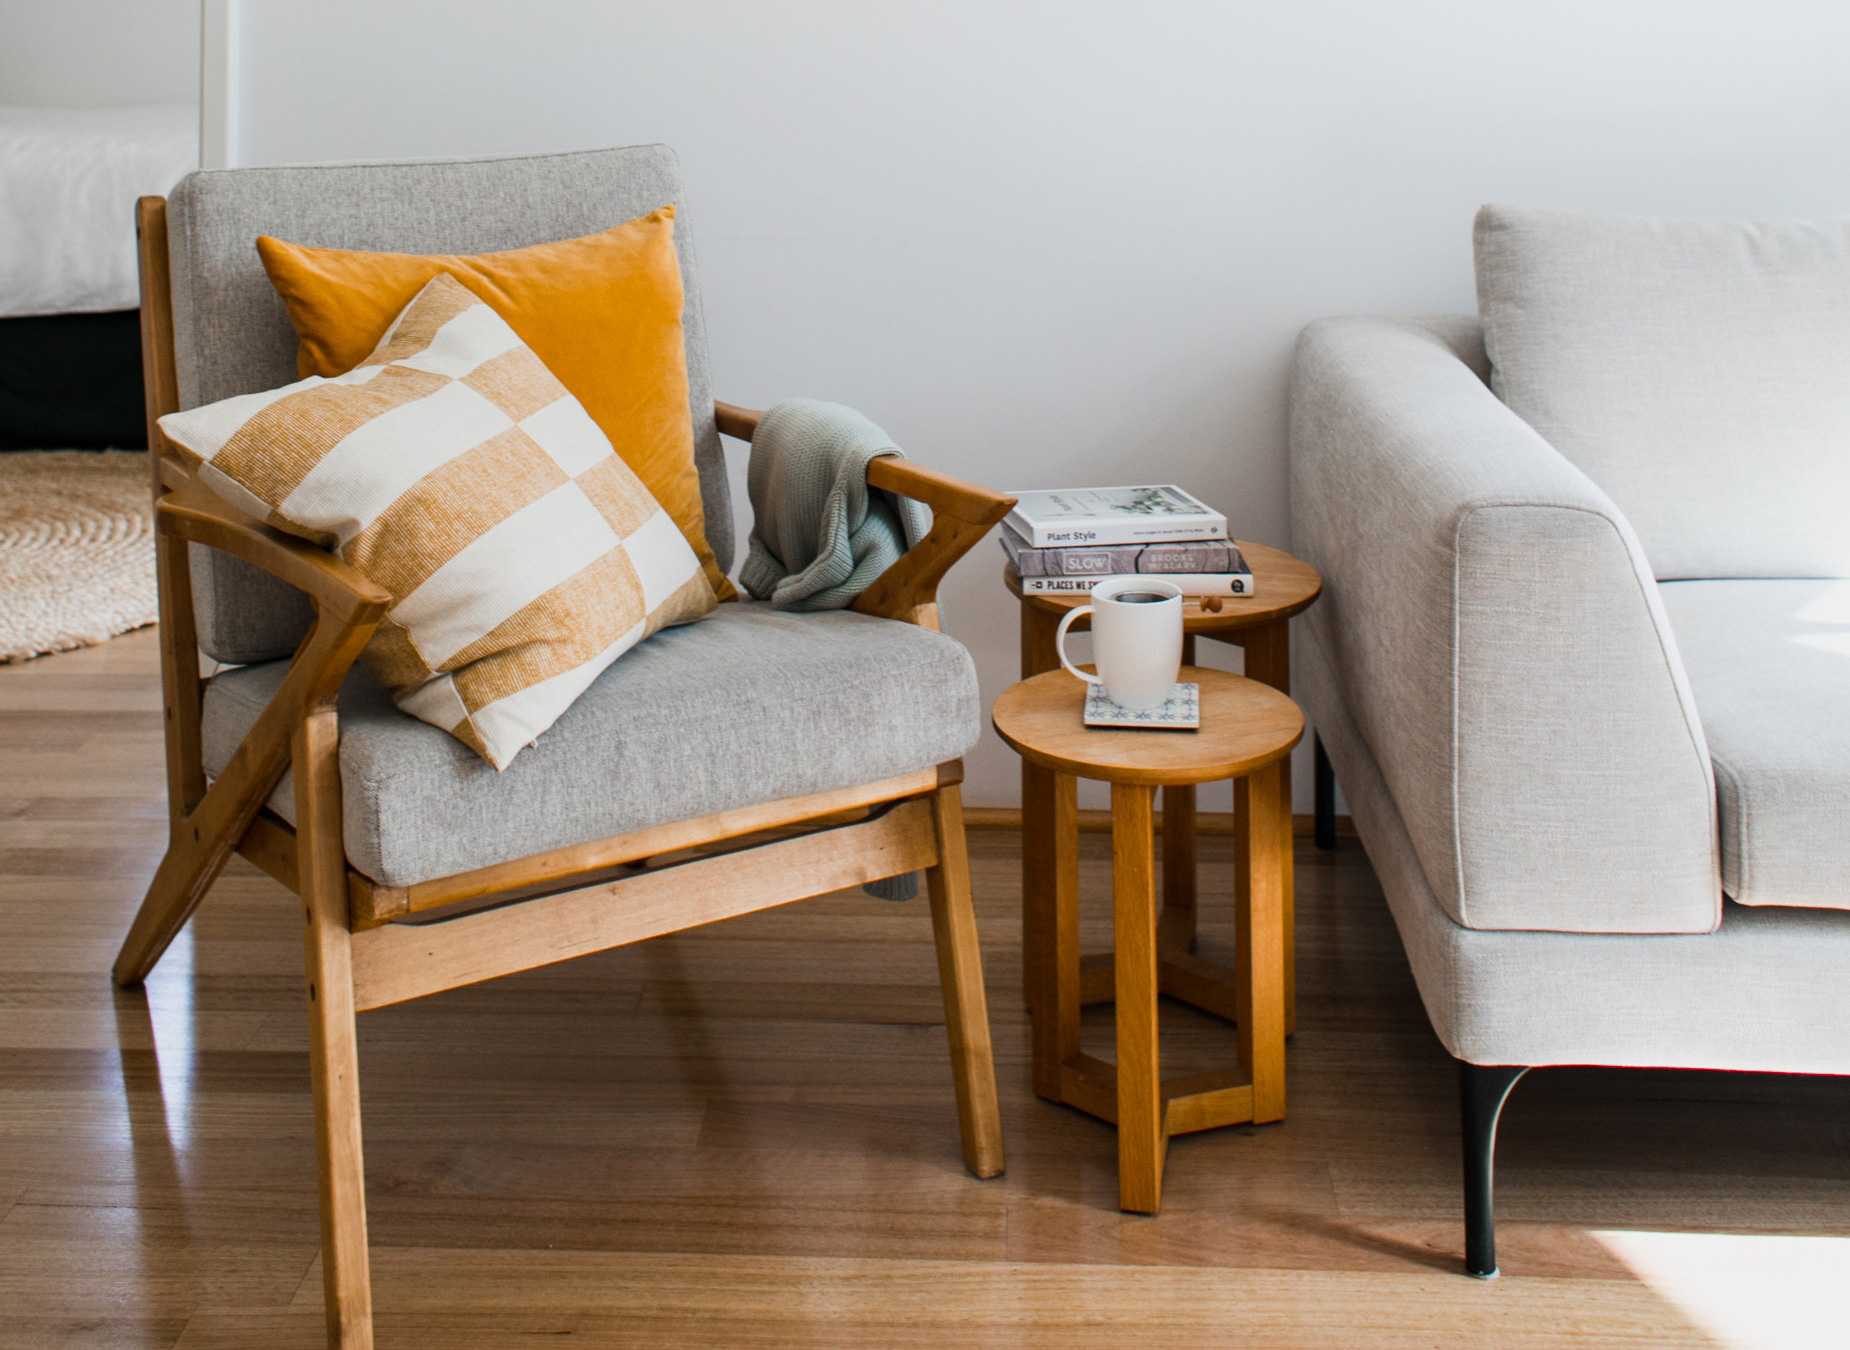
(1747, 1291)
(172, 1015)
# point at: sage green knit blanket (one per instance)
(820, 535)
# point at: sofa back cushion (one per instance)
(1697, 370)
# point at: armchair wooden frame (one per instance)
(368, 945)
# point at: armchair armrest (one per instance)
(739, 423)
(962, 513)
(1497, 636)
(196, 515)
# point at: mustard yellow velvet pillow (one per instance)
(603, 313)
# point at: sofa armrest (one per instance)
(1498, 639)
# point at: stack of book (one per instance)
(1066, 541)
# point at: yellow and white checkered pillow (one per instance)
(454, 470)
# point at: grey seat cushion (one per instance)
(747, 705)
(1694, 369)
(1769, 662)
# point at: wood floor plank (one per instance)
(114, 1266)
(647, 1299)
(89, 1333)
(745, 1135)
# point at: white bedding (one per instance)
(69, 178)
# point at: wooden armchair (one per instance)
(277, 798)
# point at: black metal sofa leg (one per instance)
(1482, 1090)
(1324, 795)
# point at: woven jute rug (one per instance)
(76, 549)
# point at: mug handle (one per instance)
(1059, 644)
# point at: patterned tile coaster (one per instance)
(1182, 712)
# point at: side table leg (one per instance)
(1037, 851)
(1176, 926)
(1261, 955)
(1037, 877)
(1054, 962)
(1268, 660)
(1140, 1107)
(1242, 901)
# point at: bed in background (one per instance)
(70, 343)
(76, 555)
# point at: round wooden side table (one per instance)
(1260, 624)
(1247, 730)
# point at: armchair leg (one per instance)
(179, 884)
(1482, 1090)
(960, 973)
(203, 839)
(200, 845)
(333, 1042)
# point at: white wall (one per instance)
(98, 53)
(1055, 243)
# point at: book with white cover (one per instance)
(1189, 583)
(1061, 517)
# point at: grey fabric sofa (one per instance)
(1582, 664)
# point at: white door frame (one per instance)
(219, 53)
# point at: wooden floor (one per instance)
(745, 1136)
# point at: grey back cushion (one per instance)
(233, 336)
(1697, 370)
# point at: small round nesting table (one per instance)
(1259, 624)
(1247, 730)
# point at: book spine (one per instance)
(1123, 558)
(1203, 557)
(1191, 583)
(1129, 530)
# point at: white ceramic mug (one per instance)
(1136, 639)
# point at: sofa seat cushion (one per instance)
(747, 705)
(1769, 663)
